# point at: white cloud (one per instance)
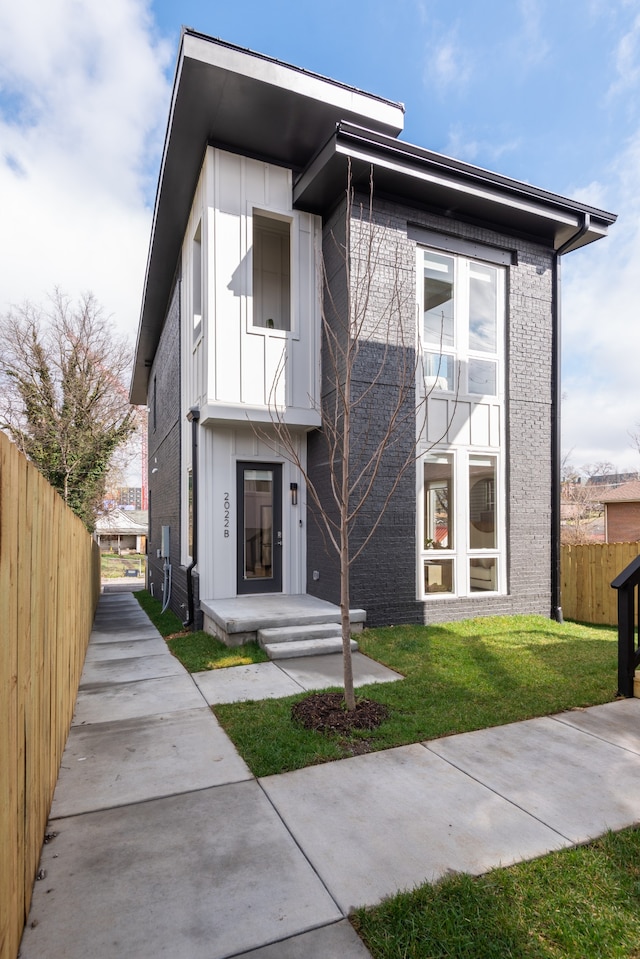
(601, 328)
(530, 46)
(448, 64)
(483, 152)
(626, 60)
(83, 100)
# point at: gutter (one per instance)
(556, 440)
(193, 416)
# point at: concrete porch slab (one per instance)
(242, 616)
(206, 875)
(572, 781)
(147, 697)
(386, 821)
(130, 669)
(129, 761)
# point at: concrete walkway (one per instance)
(166, 845)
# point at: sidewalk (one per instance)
(167, 846)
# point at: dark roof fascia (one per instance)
(291, 68)
(451, 187)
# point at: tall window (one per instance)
(438, 523)
(196, 270)
(271, 273)
(462, 302)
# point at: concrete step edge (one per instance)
(286, 634)
(311, 647)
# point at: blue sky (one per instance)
(546, 91)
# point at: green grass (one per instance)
(575, 904)
(458, 677)
(166, 623)
(113, 566)
(196, 651)
(199, 651)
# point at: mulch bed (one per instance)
(326, 713)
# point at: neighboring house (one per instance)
(622, 513)
(122, 530)
(251, 189)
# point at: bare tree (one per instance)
(62, 399)
(580, 508)
(371, 415)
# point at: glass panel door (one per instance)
(259, 528)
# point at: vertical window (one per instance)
(462, 301)
(154, 403)
(438, 523)
(271, 273)
(438, 299)
(196, 269)
(482, 502)
(463, 305)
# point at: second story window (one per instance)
(463, 308)
(271, 273)
(197, 282)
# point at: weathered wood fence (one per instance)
(49, 587)
(587, 572)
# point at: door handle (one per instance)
(279, 538)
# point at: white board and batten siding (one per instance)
(234, 368)
(235, 371)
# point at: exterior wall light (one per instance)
(294, 493)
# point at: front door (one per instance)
(259, 528)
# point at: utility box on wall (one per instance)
(165, 542)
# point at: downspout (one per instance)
(556, 438)
(193, 416)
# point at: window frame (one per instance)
(460, 551)
(489, 562)
(280, 217)
(459, 353)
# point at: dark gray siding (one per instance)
(164, 459)
(383, 579)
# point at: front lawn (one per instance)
(458, 677)
(574, 904)
(197, 651)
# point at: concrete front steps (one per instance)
(286, 642)
(285, 625)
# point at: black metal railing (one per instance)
(627, 584)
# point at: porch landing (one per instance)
(286, 622)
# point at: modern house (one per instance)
(253, 248)
(122, 530)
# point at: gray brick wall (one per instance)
(383, 580)
(164, 459)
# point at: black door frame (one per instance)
(259, 584)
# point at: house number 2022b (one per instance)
(227, 512)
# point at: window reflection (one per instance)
(438, 299)
(483, 303)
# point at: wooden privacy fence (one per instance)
(49, 585)
(587, 573)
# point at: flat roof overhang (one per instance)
(450, 187)
(250, 104)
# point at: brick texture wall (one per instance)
(383, 580)
(164, 460)
(623, 522)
